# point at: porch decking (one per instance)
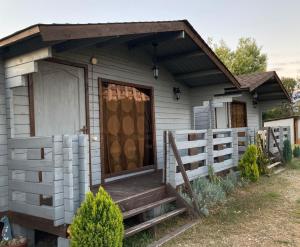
(125, 188)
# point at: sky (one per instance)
(273, 23)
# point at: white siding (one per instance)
(133, 67)
(3, 145)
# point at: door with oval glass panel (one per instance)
(127, 127)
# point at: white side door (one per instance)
(59, 99)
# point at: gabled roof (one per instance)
(204, 65)
(262, 80)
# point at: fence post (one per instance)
(83, 158)
(235, 146)
(171, 163)
(210, 147)
(58, 181)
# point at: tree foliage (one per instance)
(290, 84)
(246, 58)
(98, 222)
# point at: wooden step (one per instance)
(273, 165)
(142, 199)
(144, 208)
(147, 224)
(279, 170)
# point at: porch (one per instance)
(49, 176)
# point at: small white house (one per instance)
(228, 107)
(84, 105)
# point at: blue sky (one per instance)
(273, 23)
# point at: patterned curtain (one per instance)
(127, 128)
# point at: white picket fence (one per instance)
(48, 176)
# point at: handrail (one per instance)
(183, 172)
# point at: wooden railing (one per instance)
(197, 150)
(48, 176)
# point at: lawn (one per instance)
(266, 213)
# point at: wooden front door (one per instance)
(238, 115)
(127, 128)
(58, 99)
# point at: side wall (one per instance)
(3, 145)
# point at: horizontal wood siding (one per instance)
(3, 145)
(133, 67)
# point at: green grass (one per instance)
(141, 239)
(294, 164)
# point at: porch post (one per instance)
(235, 146)
(209, 147)
(171, 164)
(68, 179)
(58, 181)
(83, 158)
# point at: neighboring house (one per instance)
(80, 107)
(292, 122)
(240, 107)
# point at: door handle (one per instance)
(84, 130)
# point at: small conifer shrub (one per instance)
(98, 222)
(296, 151)
(248, 164)
(287, 151)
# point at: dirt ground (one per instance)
(266, 213)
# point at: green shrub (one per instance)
(208, 194)
(287, 151)
(98, 222)
(248, 165)
(227, 185)
(296, 151)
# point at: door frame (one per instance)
(153, 125)
(86, 101)
(245, 109)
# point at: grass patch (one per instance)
(141, 239)
(294, 164)
(272, 195)
(147, 237)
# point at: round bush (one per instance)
(98, 222)
(296, 151)
(248, 165)
(287, 151)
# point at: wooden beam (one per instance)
(22, 69)
(181, 55)
(158, 38)
(17, 81)
(75, 44)
(198, 74)
(29, 57)
(20, 35)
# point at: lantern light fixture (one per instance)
(177, 92)
(155, 68)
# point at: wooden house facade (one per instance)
(80, 107)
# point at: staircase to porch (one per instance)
(145, 201)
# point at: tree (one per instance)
(246, 58)
(290, 84)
